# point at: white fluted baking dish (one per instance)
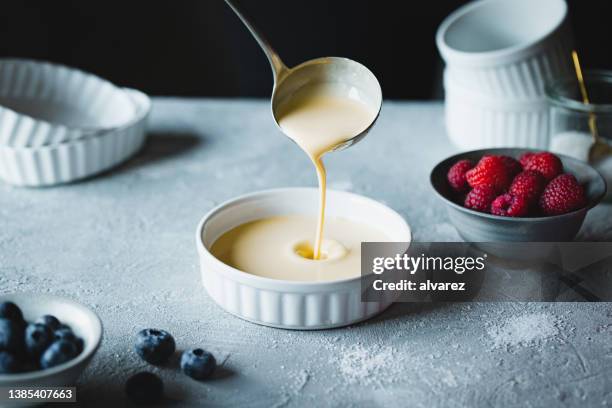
(474, 121)
(291, 304)
(76, 159)
(43, 104)
(507, 49)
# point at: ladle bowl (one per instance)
(350, 77)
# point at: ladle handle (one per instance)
(278, 67)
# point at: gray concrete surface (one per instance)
(123, 243)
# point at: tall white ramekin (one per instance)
(475, 122)
(76, 159)
(47, 104)
(283, 303)
(505, 48)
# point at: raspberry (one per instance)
(562, 195)
(513, 166)
(490, 170)
(525, 158)
(456, 175)
(510, 205)
(546, 163)
(480, 198)
(528, 184)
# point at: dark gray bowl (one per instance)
(474, 226)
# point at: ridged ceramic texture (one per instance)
(325, 308)
(507, 49)
(474, 123)
(46, 104)
(77, 159)
(523, 79)
(284, 303)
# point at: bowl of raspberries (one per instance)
(518, 195)
(45, 340)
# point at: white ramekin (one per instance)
(45, 104)
(291, 304)
(76, 159)
(475, 122)
(536, 46)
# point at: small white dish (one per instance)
(45, 104)
(291, 304)
(507, 48)
(76, 159)
(474, 121)
(83, 321)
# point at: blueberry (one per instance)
(66, 333)
(9, 310)
(11, 336)
(50, 321)
(144, 388)
(37, 338)
(9, 363)
(198, 364)
(80, 345)
(154, 346)
(63, 326)
(58, 353)
(29, 364)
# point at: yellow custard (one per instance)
(318, 118)
(279, 248)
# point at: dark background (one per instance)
(199, 48)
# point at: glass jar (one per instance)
(572, 122)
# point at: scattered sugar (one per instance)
(296, 381)
(368, 365)
(525, 330)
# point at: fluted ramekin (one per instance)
(505, 48)
(47, 104)
(475, 122)
(76, 159)
(283, 303)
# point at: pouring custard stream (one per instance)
(319, 117)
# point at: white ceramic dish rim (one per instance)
(300, 286)
(87, 352)
(87, 131)
(493, 57)
(142, 104)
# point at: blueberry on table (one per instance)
(9, 363)
(11, 336)
(154, 346)
(58, 353)
(50, 321)
(10, 311)
(198, 364)
(144, 388)
(37, 338)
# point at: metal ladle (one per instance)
(357, 81)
